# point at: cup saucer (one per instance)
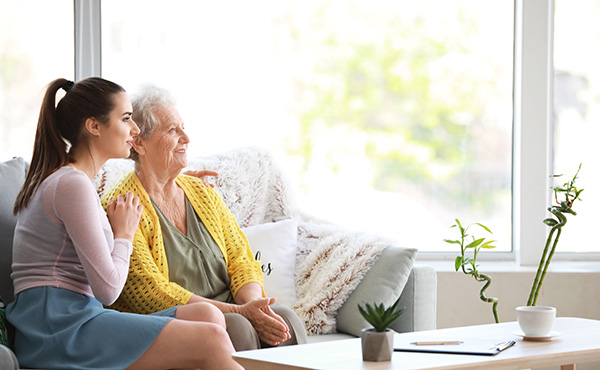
(553, 334)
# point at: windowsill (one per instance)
(574, 267)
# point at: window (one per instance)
(36, 47)
(397, 118)
(576, 114)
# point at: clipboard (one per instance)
(482, 347)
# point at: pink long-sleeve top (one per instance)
(63, 239)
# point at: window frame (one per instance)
(533, 132)
(532, 122)
(532, 141)
(88, 41)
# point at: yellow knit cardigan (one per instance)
(148, 288)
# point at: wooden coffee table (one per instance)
(579, 342)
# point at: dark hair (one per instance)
(60, 127)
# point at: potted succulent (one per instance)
(378, 342)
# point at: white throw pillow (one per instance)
(274, 245)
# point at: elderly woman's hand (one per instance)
(270, 327)
(203, 175)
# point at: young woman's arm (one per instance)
(105, 260)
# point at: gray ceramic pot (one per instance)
(377, 346)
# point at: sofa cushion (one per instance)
(274, 244)
(383, 283)
(12, 175)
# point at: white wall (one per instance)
(574, 294)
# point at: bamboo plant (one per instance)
(570, 194)
(469, 265)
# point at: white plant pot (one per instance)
(536, 321)
(377, 346)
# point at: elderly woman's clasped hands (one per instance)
(270, 327)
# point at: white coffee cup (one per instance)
(536, 321)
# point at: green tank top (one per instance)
(195, 260)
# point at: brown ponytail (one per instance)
(60, 127)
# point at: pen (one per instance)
(437, 342)
(504, 346)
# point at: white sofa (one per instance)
(256, 190)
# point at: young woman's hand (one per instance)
(124, 214)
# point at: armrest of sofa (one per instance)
(12, 175)
(8, 360)
(420, 299)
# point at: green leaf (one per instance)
(363, 313)
(458, 262)
(485, 227)
(371, 311)
(462, 230)
(475, 243)
(488, 245)
(550, 222)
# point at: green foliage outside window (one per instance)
(420, 113)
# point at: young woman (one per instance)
(70, 259)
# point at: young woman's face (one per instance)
(119, 131)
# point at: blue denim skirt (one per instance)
(60, 329)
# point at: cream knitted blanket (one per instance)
(330, 261)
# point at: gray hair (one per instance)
(146, 102)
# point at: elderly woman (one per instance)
(188, 247)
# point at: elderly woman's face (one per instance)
(166, 147)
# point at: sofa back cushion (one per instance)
(383, 284)
(12, 175)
